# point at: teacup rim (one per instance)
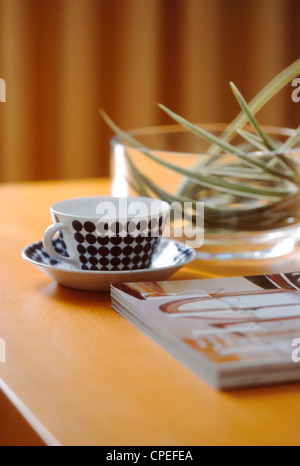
(164, 207)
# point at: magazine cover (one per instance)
(231, 331)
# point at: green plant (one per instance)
(259, 179)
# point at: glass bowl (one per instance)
(249, 238)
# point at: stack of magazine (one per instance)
(232, 332)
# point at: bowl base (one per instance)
(282, 248)
(252, 245)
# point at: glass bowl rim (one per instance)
(177, 128)
(173, 128)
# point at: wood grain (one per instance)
(89, 377)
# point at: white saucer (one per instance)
(169, 258)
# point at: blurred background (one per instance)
(63, 59)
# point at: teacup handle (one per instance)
(48, 243)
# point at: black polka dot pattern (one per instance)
(103, 247)
(141, 228)
(167, 254)
(60, 246)
(37, 253)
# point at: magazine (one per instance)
(232, 332)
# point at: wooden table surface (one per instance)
(80, 374)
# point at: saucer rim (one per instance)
(111, 272)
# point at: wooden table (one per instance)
(76, 373)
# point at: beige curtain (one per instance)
(62, 59)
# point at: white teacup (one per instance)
(106, 233)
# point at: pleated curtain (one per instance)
(63, 59)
